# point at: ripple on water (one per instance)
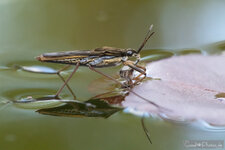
(38, 69)
(157, 54)
(136, 112)
(18, 94)
(35, 67)
(208, 127)
(4, 68)
(40, 103)
(220, 97)
(200, 124)
(154, 55)
(187, 51)
(176, 120)
(31, 99)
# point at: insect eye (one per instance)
(129, 53)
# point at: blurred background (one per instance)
(31, 27)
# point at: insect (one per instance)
(99, 58)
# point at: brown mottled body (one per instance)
(98, 58)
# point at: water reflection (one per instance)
(40, 103)
(4, 68)
(90, 108)
(201, 124)
(24, 93)
(48, 105)
(155, 54)
(37, 69)
(188, 51)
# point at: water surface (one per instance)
(31, 27)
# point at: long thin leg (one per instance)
(145, 129)
(109, 77)
(138, 79)
(61, 77)
(100, 95)
(152, 103)
(139, 66)
(71, 91)
(67, 80)
(135, 67)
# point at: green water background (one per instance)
(31, 27)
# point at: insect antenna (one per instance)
(148, 35)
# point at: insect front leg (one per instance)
(128, 73)
(136, 67)
(141, 76)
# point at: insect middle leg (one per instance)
(67, 80)
(61, 77)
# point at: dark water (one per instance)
(29, 28)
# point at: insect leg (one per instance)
(150, 102)
(67, 80)
(107, 76)
(145, 129)
(61, 77)
(127, 74)
(138, 68)
(138, 79)
(102, 95)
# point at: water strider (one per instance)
(104, 57)
(99, 58)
